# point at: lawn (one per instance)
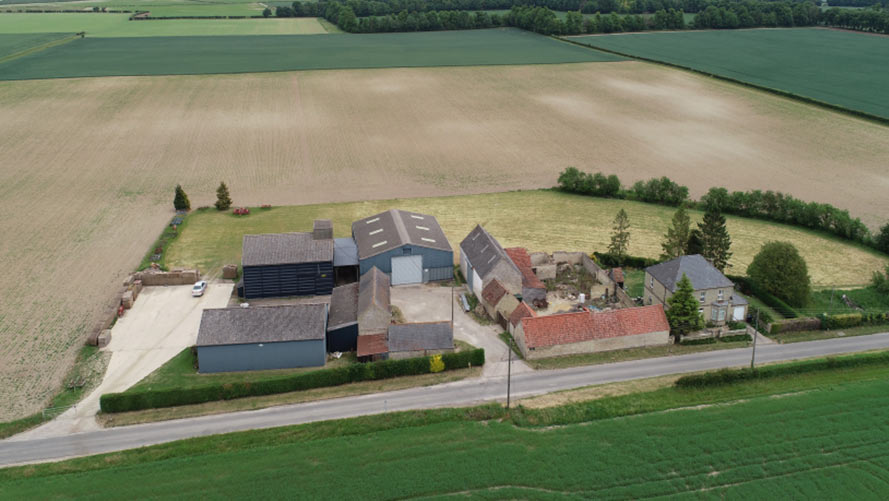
(12, 44)
(634, 282)
(118, 25)
(750, 446)
(831, 301)
(188, 55)
(835, 67)
(212, 239)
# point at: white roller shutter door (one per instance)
(407, 270)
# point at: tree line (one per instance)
(872, 20)
(769, 205)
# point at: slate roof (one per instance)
(345, 252)
(520, 257)
(373, 290)
(343, 306)
(285, 248)
(483, 251)
(493, 292)
(421, 336)
(583, 326)
(372, 344)
(268, 324)
(394, 228)
(702, 274)
(521, 311)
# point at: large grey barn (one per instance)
(289, 264)
(272, 337)
(410, 247)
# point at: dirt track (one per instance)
(89, 164)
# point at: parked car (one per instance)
(199, 288)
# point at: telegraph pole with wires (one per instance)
(508, 376)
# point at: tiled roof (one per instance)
(702, 274)
(493, 292)
(482, 251)
(583, 326)
(617, 274)
(421, 336)
(373, 290)
(343, 306)
(267, 324)
(285, 248)
(520, 257)
(394, 228)
(521, 311)
(372, 344)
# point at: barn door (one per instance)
(407, 270)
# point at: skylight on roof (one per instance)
(374, 232)
(428, 240)
(374, 220)
(484, 249)
(492, 258)
(422, 228)
(384, 242)
(417, 217)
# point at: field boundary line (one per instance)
(783, 93)
(38, 48)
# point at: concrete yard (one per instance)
(162, 322)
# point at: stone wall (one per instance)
(604, 278)
(568, 257)
(175, 277)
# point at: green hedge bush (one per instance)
(610, 261)
(352, 373)
(795, 325)
(730, 376)
(846, 320)
(714, 340)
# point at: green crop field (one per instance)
(11, 44)
(829, 442)
(212, 239)
(835, 67)
(119, 25)
(158, 8)
(239, 54)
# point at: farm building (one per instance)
(358, 309)
(482, 259)
(521, 311)
(288, 264)
(374, 310)
(372, 347)
(342, 321)
(345, 261)
(272, 337)
(420, 339)
(409, 247)
(588, 332)
(533, 289)
(714, 291)
(498, 302)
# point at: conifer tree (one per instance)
(683, 308)
(715, 239)
(676, 240)
(180, 201)
(620, 236)
(223, 199)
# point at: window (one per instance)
(719, 295)
(649, 299)
(703, 296)
(721, 317)
(701, 311)
(651, 282)
(713, 314)
(406, 251)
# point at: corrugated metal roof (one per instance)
(285, 248)
(345, 252)
(267, 324)
(702, 274)
(483, 251)
(421, 336)
(394, 228)
(372, 344)
(343, 306)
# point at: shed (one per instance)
(482, 259)
(345, 260)
(262, 338)
(420, 339)
(408, 246)
(374, 311)
(288, 264)
(342, 321)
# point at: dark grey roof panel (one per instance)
(394, 228)
(702, 274)
(269, 324)
(483, 251)
(373, 290)
(285, 248)
(421, 336)
(343, 306)
(345, 252)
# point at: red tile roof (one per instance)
(493, 292)
(521, 311)
(522, 260)
(617, 274)
(372, 344)
(583, 326)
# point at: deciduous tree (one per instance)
(779, 269)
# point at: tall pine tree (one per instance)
(683, 308)
(223, 199)
(715, 240)
(676, 240)
(180, 201)
(620, 236)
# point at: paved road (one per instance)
(451, 394)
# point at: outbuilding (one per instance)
(482, 259)
(262, 338)
(420, 339)
(288, 264)
(342, 321)
(409, 247)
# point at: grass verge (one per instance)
(798, 337)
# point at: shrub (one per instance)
(796, 325)
(150, 399)
(180, 200)
(610, 261)
(597, 185)
(223, 198)
(779, 269)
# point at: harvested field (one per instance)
(89, 165)
(841, 68)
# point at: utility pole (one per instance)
(452, 308)
(508, 376)
(755, 335)
(830, 308)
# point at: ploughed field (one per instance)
(841, 68)
(192, 55)
(89, 165)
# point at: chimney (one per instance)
(322, 230)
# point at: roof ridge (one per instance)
(399, 226)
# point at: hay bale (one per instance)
(229, 272)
